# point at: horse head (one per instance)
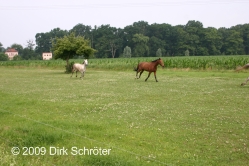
(85, 62)
(161, 62)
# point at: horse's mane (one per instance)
(156, 60)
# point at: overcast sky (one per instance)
(21, 20)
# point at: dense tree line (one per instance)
(142, 39)
(146, 40)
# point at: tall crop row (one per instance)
(34, 63)
(197, 63)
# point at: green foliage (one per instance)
(141, 48)
(110, 41)
(29, 54)
(107, 40)
(44, 40)
(212, 41)
(69, 67)
(30, 44)
(127, 52)
(191, 62)
(82, 30)
(159, 52)
(3, 57)
(234, 43)
(17, 58)
(18, 47)
(155, 43)
(187, 52)
(67, 47)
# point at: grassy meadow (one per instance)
(190, 117)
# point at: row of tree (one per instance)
(142, 39)
(146, 40)
(25, 53)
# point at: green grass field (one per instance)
(189, 117)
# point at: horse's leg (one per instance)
(141, 72)
(155, 76)
(82, 75)
(72, 72)
(148, 76)
(137, 73)
(245, 82)
(76, 72)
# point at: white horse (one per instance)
(80, 67)
(241, 68)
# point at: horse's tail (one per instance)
(243, 67)
(72, 66)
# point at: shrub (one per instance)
(3, 57)
(69, 67)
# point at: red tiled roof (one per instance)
(11, 50)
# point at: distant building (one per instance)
(47, 55)
(11, 52)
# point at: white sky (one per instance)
(21, 20)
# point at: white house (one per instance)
(47, 55)
(11, 52)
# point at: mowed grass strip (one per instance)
(187, 118)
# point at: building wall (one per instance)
(47, 55)
(11, 53)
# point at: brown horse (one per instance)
(148, 66)
(241, 68)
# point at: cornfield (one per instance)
(196, 63)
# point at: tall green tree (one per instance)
(141, 47)
(159, 52)
(140, 27)
(29, 54)
(211, 41)
(107, 41)
(223, 32)
(44, 40)
(127, 52)
(30, 44)
(83, 30)
(178, 38)
(1, 47)
(234, 43)
(160, 37)
(155, 43)
(194, 30)
(71, 45)
(245, 36)
(18, 47)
